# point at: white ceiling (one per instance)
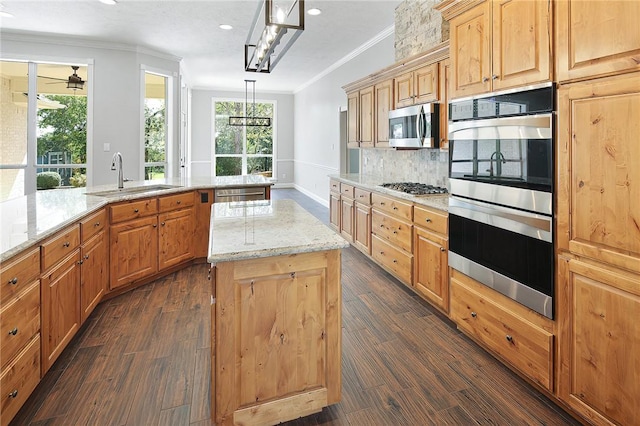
(213, 58)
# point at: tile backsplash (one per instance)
(430, 166)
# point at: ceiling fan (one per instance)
(73, 82)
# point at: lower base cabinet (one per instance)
(431, 278)
(94, 273)
(134, 250)
(175, 237)
(506, 328)
(19, 379)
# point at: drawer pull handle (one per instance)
(136, 210)
(13, 393)
(179, 202)
(67, 244)
(13, 281)
(395, 208)
(473, 314)
(382, 225)
(509, 338)
(485, 79)
(80, 262)
(428, 220)
(382, 253)
(96, 224)
(395, 232)
(395, 261)
(382, 203)
(155, 225)
(442, 249)
(494, 77)
(86, 256)
(14, 331)
(162, 223)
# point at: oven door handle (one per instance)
(539, 126)
(529, 224)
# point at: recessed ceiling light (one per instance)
(109, 2)
(226, 27)
(314, 11)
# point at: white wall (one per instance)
(116, 86)
(202, 126)
(317, 119)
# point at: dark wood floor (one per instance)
(143, 359)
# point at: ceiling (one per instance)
(189, 29)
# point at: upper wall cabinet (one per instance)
(500, 44)
(360, 115)
(417, 87)
(383, 104)
(597, 38)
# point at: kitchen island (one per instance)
(275, 313)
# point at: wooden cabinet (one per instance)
(20, 330)
(417, 86)
(360, 118)
(600, 342)
(596, 38)
(383, 97)
(430, 243)
(335, 208)
(202, 211)
(444, 73)
(353, 119)
(61, 316)
(347, 217)
(523, 340)
(500, 44)
(277, 338)
(94, 273)
(175, 237)
(362, 220)
(133, 247)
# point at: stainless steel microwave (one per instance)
(416, 126)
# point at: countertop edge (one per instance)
(235, 256)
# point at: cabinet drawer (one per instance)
(395, 231)
(60, 246)
(19, 322)
(334, 186)
(524, 345)
(133, 210)
(18, 273)
(392, 206)
(93, 224)
(346, 190)
(362, 196)
(395, 260)
(175, 202)
(19, 379)
(432, 219)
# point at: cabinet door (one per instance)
(346, 218)
(599, 170)
(334, 210)
(384, 104)
(431, 276)
(175, 237)
(426, 84)
(60, 308)
(600, 344)
(366, 117)
(94, 273)
(470, 47)
(204, 199)
(362, 228)
(444, 74)
(521, 43)
(353, 123)
(596, 37)
(134, 251)
(403, 90)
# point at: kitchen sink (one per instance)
(132, 191)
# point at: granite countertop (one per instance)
(30, 219)
(254, 229)
(372, 183)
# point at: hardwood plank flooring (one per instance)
(142, 358)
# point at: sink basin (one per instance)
(132, 191)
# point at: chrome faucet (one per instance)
(499, 157)
(116, 163)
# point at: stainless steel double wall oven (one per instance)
(501, 169)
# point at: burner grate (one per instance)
(415, 188)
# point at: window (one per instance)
(241, 150)
(155, 126)
(49, 151)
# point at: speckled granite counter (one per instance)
(253, 229)
(32, 218)
(372, 183)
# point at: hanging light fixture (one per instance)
(75, 82)
(249, 118)
(283, 24)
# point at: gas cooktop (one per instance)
(415, 188)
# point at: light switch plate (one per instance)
(106, 147)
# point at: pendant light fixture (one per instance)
(283, 24)
(249, 118)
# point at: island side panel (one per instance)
(278, 331)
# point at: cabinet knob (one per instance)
(96, 224)
(179, 202)
(382, 253)
(13, 393)
(13, 281)
(395, 208)
(382, 203)
(473, 314)
(395, 261)
(485, 79)
(86, 256)
(428, 220)
(494, 77)
(80, 262)
(67, 244)
(509, 338)
(382, 225)
(162, 223)
(136, 210)
(395, 232)
(14, 331)
(442, 249)
(155, 225)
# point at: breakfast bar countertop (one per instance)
(253, 229)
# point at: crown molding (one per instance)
(452, 8)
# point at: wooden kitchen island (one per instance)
(275, 314)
